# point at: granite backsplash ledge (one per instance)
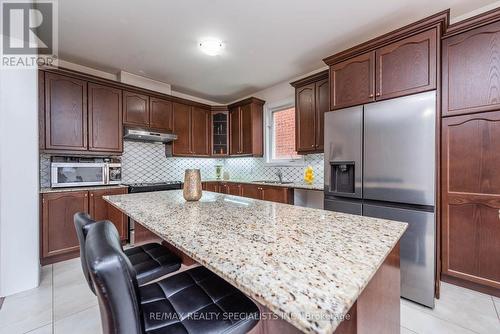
(146, 162)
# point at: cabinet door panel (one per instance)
(102, 210)
(41, 110)
(473, 241)
(472, 149)
(58, 230)
(353, 81)
(322, 106)
(105, 118)
(65, 113)
(233, 189)
(275, 194)
(136, 109)
(160, 114)
(407, 66)
(200, 127)
(211, 186)
(471, 71)
(305, 120)
(246, 129)
(251, 191)
(471, 197)
(234, 131)
(182, 128)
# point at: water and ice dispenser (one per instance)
(342, 177)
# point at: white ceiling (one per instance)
(267, 41)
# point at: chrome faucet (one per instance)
(279, 174)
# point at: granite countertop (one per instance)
(307, 265)
(58, 190)
(295, 185)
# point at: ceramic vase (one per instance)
(192, 185)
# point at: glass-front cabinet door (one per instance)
(220, 133)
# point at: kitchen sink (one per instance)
(272, 182)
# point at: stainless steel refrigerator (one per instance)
(380, 162)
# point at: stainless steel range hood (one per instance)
(145, 135)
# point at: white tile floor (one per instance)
(64, 304)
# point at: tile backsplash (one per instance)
(146, 162)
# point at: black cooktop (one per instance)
(155, 186)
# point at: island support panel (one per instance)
(377, 309)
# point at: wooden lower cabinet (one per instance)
(211, 186)
(266, 193)
(59, 240)
(251, 191)
(58, 236)
(102, 210)
(277, 194)
(230, 189)
(471, 201)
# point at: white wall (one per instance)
(281, 91)
(19, 224)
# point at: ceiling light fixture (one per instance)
(211, 46)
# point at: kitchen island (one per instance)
(319, 271)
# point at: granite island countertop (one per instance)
(307, 265)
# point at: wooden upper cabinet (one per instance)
(471, 71)
(352, 82)
(305, 118)
(65, 113)
(234, 131)
(407, 66)
(200, 131)
(182, 128)
(246, 128)
(161, 114)
(312, 100)
(41, 110)
(105, 118)
(58, 230)
(471, 198)
(322, 106)
(135, 109)
(101, 210)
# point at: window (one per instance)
(280, 137)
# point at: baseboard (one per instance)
(471, 285)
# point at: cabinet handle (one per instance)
(91, 195)
(312, 145)
(378, 94)
(498, 214)
(371, 95)
(85, 195)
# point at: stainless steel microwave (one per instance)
(75, 174)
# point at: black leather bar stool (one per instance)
(150, 261)
(193, 301)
